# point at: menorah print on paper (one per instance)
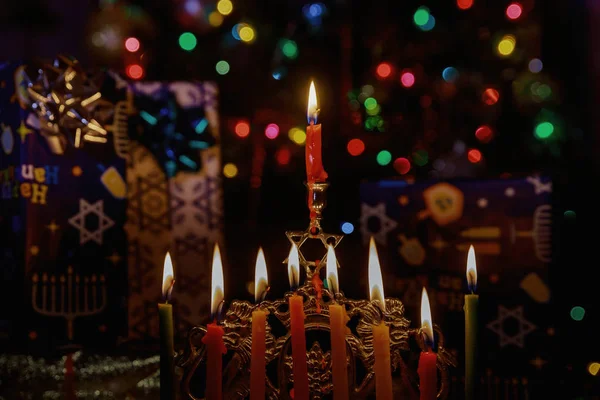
(68, 302)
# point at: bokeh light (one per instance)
(279, 73)
(450, 74)
(297, 136)
(593, 368)
(484, 134)
(230, 170)
(134, 71)
(192, 7)
(543, 130)
(464, 4)
(507, 45)
(384, 70)
(570, 215)
(384, 157)
(355, 147)
(289, 48)
(421, 16)
(370, 103)
(429, 25)
(242, 129)
(577, 313)
(407, 79)
(132, 44)
(246, 34)
(222, 67)
(347, 228)
(536, 65)
(283, 156)
(420, 157)
(272, 131)
(402, 165)
(188, 41)
(514, 11)
(490, 96)
(474, 156)
(215, 19)
(225, 7)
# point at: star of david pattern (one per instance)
(300, 237)
(386, 224)
(201, 200)
(497, 326)
(190, 243)
(79, 221)
(141, 267)
(148, 202)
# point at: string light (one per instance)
(484, 134)
(132, 44)
(490, 96)
(225, 7)
(272, 131)
(507, 45)
(450, 74)
(464, 4)
(514, 11)
(402, 165)
(544, 130)
(289, 48)
(384, 157)
(222, 67)
(421, 16)
(577, 313)
(384, 70)
(355, 147)
(242, 129)
(230, 170)
(247, 34)
(474, 156)
(187, 41)
(407, 79)
(134, 71)
(593, 368)
(347, 228)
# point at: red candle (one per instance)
(427, 361)
(215, 347)
(314, 162)
(296, 303)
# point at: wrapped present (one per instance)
(425, 229)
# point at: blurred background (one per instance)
(495, 97)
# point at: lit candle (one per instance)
(381, 332)
(337, 322)
(165, 320)
(471, 304)
(259, 329)
(427, 360)
(215, 347)
(296, 303)
(314, 162)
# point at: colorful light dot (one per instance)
(484, 134)
(132, 44)
(187, 41)
(283, 156)
(450, 74)
(514, 11)
(215, 19)
(464, 4)
(246, 34)
(420, 157)
(230, 170)
(490, 96)
(570, 215)
(421, 16)
(242, 129)
(192, 7)
(347, 228)
(593, 368)
(536, 65)
(272, 131)
(297, 136)
(544, 91)
(355, 147)
(402, 165)
(407, 79)
(544, 130)
(225, 7)
(222, 67)
(384, 157)
(429, 25)
(474, 156)
(384, 70)
(577, 313)
(134, 71)
(370, 103)
(279, 73)
(507, 45)
(290, 49)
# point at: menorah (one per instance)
(69, 304)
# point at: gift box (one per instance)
(424, 231)
(100, 177)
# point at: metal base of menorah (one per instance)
(363, 315)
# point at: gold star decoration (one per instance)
(300, 237)
(23, 131)
(53, 227)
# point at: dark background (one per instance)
(340, 56)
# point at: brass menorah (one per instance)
(71, 304)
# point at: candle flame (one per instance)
(261, 280)
(375, 278)
(217, 293)
(168, 278)
(312, 111)
(294, 267)
(426, 324)
(332, 275)
(471, 269)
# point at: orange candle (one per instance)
(215, 347)
(381, 332)
(314, 163)
(337, 323)
(427, 360)
(259, 330)
(296, 303)
(165, 322)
